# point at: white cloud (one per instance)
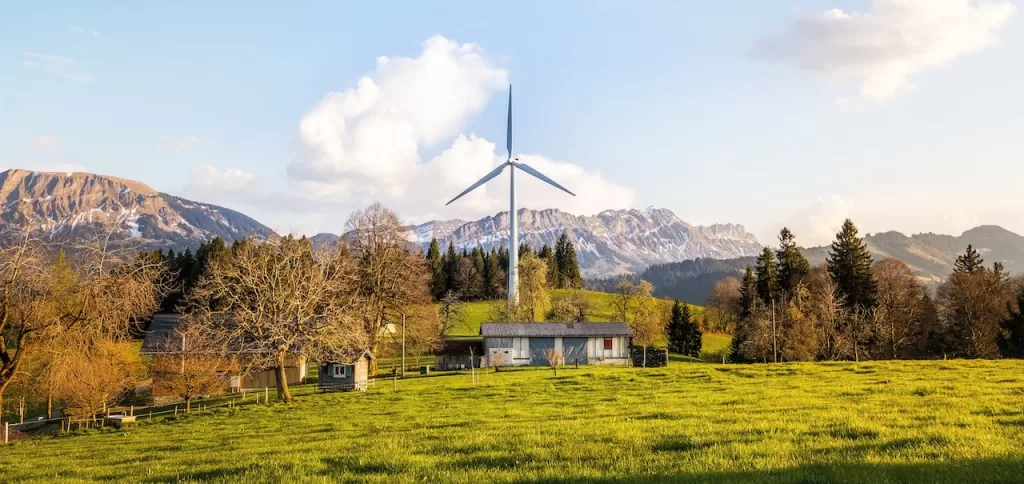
(213, 182)
(182, 142)
(78, 29)
(56, 65)
(364, 144)
(895, 39)
(814, 224)
(45, 142)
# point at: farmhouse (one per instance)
(162, 327)
(518, 344)
(345, 371)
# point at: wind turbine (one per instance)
(513, 223)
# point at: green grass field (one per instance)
(927, 421)
(601, 305)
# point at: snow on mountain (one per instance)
(63, 206)
(611, 242)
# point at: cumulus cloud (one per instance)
(182, 142)
(55, 65)
(365, 143)
(816, 223)
(45, 142)
(78, 29)
(222, 183)
(895, 39)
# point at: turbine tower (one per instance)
(513, 222)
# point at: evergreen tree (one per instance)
(793, 266)
(674, 329)
(438, 286)
(970, 261)
(524, 249)
(480, 268)
(568, 265)
(849, 266)
(451, 269)
(767, 277)
(748, 293)
(548, 256)
(692, 336)
(492, 276)
(1011, 339)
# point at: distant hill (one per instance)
(76, 206)
(931, 256)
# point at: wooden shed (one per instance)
(455, 355)
(345, 371)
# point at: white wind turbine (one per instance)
(513, 225)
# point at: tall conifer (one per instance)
(849, 266)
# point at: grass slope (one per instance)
(918, 421)
(601, 305)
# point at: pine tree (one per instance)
(767, 277)
(568, 265)
(492, 276)
(524, 249)
(451, 268)
(548, 256)
(970, 261)
(692, 336)
(478, 274)
(674, 329)
(1011, 339)
(793, 266)
(438, 286)
(849, 266)
(748, 293)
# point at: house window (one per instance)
(339, 371)
(607, 343)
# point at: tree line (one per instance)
(472, 275)
(853, 307)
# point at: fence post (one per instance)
(266, 395)
(131, 411)
(175, 410)
(7, 432)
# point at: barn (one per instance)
(163, 327)
(521, 344)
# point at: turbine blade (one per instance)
(541, 177)
(508, 136)
(495, 172)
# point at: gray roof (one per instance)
(505, 330)
(160, 328)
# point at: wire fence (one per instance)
(120, 415)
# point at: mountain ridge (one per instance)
(67, 205)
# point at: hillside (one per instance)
(878, 422)
(75, 206)
(601, 304)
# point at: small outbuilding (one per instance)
(345, 371)
(519, 344)
(459, 354)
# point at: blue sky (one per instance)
(902, 114)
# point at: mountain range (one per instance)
(70, 206)
(75, 206)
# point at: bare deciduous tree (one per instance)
(269, 303)
(724, 304)
(555, 359)
(190, 365)
(900, 313)
(451, 312)
(636, 306)
(390, 277)
(575, 308)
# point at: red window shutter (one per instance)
(607, 343)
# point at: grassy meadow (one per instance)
(910, 421)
